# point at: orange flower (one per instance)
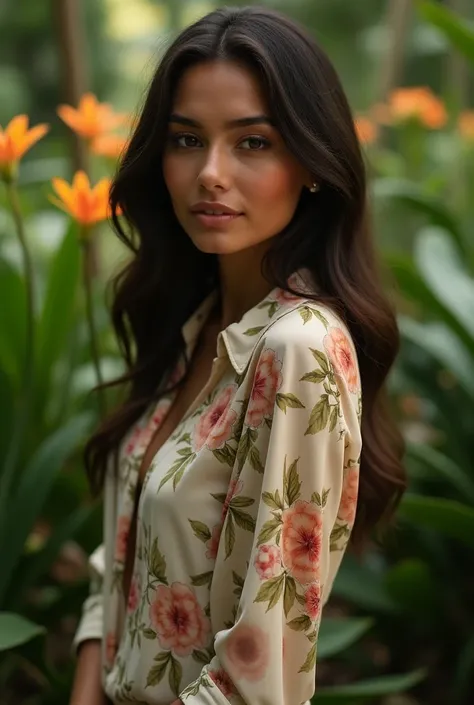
(16, 140)
(367, 130)
(466, 124)
(109, 145)
(85, 204)
(91, 118)
(419, 103)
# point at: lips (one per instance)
(213, 209)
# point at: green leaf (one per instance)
(269, 529)
(310, 662)
(12, 321)
(156, 674)
(375, 687)
(300, 624)
(149, 633)
(175, 675)
(317, 314)
(446, 516)
(33, 489)
(15, 630)
(229, 537)
(271, 500)
(200, 657)
(239, 501)
(445, 467)
(362, 586)
(270, 591)
(201, 531)
(157, 565)
(254, 331)
(319, 416)
(57, 316)
(305, 313)
(335, 635)
(451, 25)
(285, 400)
(317, 376)
(289, 595)
(333, 417)
(255, 460)
(202, 579)
(225, 455)
(243, 449)
(242, 519)
(322, 359)
(292, 484)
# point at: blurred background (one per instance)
(399, 628)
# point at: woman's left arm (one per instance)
(306, 441)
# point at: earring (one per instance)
(315, 187)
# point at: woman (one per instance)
(253, 323)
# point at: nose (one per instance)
(215, 171)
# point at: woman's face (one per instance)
(223, 154)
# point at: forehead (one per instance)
(219, 91)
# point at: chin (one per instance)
(216, 243)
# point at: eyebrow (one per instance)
(240, 122)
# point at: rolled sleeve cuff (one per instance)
(203, 691)
(91, 623)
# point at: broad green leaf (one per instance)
(443, 271)
(442, 345)
(16, 630)
(413, 587)
(373, 688)
(12, 321)
(451, 25)
(335, 635)
(34, 487)
(413, 196)
(57, 316)
(444, 466)
(444, 515)
(362, 586)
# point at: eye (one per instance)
(256, 143)
(185, 140)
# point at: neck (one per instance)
(242, 284)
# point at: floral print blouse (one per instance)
(242, 522)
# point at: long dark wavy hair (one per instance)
(167, 277)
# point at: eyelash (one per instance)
(174, 139)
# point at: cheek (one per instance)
(279, 186)
(174, 176)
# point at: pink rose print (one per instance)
(312, 599)
(267, 382)
(121, 540)
(339, 350)
(223, 682)
(110, 648)
(301, 541)
(134, 594)
(283, 296)
(214, 427)
(178, 619)
(213, 543)
(142, 436)
(247, 652)
(350, 486)
(267, 561)
(235, 486)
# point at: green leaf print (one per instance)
(317, 314)
(229, 536)
(157, 565)
(245, 444)
(316, 376)
(225, 455)
(238, 582)
(291, 483)
(269, 529)
(201, 531)
(319, 416)
(322, 359)
(272, 500)
(202, 579)
(255, 460)
(320, 501)
(242, 519)
(339, 532)
(305, 313)
(289, 595)
(240, 502)
(310, 662)
(200, 656)
(149, 633)
(288, 400)
(156, 673)
(270, 591)
(175, 675)
(254, 331)
(178, 466)
(301, 623)
(239, 424)
(333, 418)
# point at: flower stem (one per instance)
(87, 282)
(25, 400)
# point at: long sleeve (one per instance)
(297, 469)
(91, 623)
